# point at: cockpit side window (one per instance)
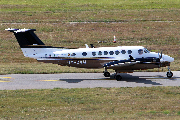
(146, 50)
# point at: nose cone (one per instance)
(167, 58)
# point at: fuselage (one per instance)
(120, 59)
(96, 57)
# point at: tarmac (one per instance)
(86, 80)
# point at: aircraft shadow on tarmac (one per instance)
(127, 78)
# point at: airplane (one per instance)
(122, 59)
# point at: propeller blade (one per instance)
(159, 55)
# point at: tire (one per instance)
(106, 74)
(169, 74)
(118, 78)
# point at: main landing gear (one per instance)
(107, 74)
(169, 73)
(118, 77)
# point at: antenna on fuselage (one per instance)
(92, 46)
(114, 39)
(86, 46)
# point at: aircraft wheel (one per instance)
(106, 74)
(169, 74)
(118, 77)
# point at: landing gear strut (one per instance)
(169, 73)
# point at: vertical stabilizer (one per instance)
(26, 37)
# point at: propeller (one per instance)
(160, 59)
(160, 56)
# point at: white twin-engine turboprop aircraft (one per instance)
(120, 59)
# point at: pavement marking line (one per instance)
(49, 80)
(4, 81)
(5, 77)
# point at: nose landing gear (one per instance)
(169, 73)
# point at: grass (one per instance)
(42, 68)
(94, 103)
(88, 5)
(156, 36)
(151, 23)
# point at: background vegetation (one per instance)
(151, 23)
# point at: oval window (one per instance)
(99, 53)
(105, 52)
(123, 51)
(140, 51)
(129, 51)
(94, 53)
(111, 52)
(117, 52)
(84, 53)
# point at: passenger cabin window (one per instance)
(129, 51)
(140, 51)
(99, 53)
(105, 52)
(111, 52)
(94, 53)
(123, 52)
(117, 52)
(73, 54)
(84, 53)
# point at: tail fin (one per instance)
(26, 38)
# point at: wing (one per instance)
(120, 63)
(133, 64)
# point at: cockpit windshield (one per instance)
(146, 50)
